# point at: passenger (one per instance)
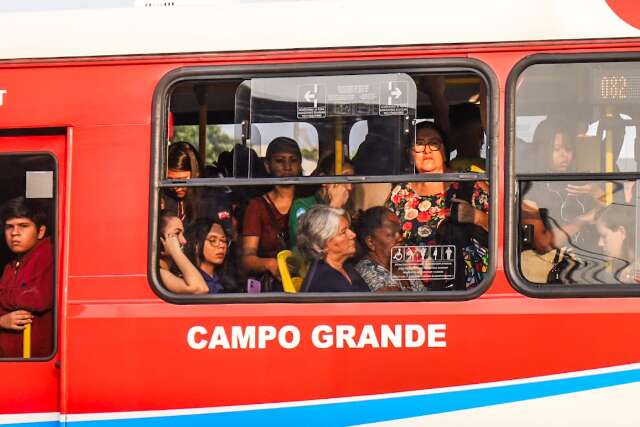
(378, 231)
(616, 227)
(183, 163)
(376, 155)
(325, 239)
(423, 206)
(467, 135)
(333, 195)
(177, 273)
(569, 209)
(540, 261)
(266, 217)
(207, 247)
(26, 285)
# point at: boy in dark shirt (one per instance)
(26, 285)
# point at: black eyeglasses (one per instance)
(216, 241)
(433, 146)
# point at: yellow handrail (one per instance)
(289, 283)
(26, 342)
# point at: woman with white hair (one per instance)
(325, 238)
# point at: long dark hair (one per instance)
(196, 235)
(184, 158)
(163, 220)
(615, 216)
(544, 138)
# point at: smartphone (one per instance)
(253, 286)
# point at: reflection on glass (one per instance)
(591, 106)
(579, 232)
(322, 110)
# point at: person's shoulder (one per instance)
(43, 251)
(255, 204)
(399, 193)
(364, 265)
(300, 206)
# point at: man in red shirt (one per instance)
(26, 285)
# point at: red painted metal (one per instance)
(123, 348)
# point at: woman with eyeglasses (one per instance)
(207, 247)
(424, 206)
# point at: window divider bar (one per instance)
(307, 180)
(585, 176)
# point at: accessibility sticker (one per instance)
(429, 262)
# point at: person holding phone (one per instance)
(264, 229)
(570, 207)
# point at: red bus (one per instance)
(534, 324)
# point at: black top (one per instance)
(324, 278)
(559, 209)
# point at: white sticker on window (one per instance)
(39, 185)
(431, 262)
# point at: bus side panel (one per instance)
(109, 212)
(487, 340)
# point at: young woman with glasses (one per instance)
(207, 247)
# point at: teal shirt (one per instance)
(298, 208)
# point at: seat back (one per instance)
(292, 270)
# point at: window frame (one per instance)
(160, 109)
(512, 179)
(55, 236)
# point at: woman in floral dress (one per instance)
(423, 206)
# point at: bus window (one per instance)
(576, 177)
(331, 176)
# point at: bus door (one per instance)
(32, 171)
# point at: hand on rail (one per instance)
(16, 320)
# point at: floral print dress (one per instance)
(420, 217)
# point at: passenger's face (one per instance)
(611, 241)
(21, 234)
(562, 153)
(385, 238)
(174, 227)
(343, 244)
(181, 192)
(215, 245)
(347, 170)
(284, 165)
(432, 159)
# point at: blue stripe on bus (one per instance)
(383, 409)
